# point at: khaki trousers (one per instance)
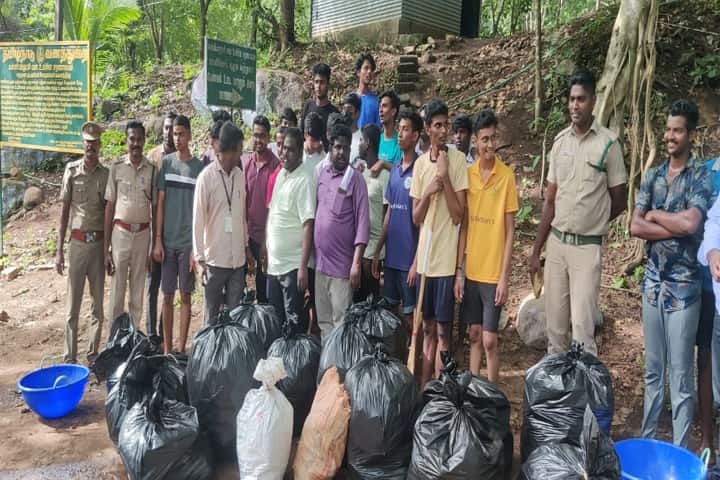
(332, 297)
(85, 261)
(129, 253)
(572, 289)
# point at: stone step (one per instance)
(408, 68)
(403, 87)
(408, 59)
(408, 77)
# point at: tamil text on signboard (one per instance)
(44, 95)
(230, 75)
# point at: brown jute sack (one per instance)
(322, 442)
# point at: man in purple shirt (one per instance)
(258, 167)
(342, 230)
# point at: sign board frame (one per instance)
(89, 114)
(226, 82)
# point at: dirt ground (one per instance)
(78, 446)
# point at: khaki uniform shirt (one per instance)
(84, 189)
(156, 154)
(584, 168)
(133, 190)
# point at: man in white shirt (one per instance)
(220, 232)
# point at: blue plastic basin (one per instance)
(55, 391)
(644, 459)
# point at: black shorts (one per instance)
(703, 339)
(478, 307)
(438, 298)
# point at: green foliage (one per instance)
(638, 273)
(620, 282)
(155, 99)
(51, 241)
(113, 144)
(524, 213)
(51, 163)
(191, 71)
(706, 70)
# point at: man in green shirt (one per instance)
(173, 238)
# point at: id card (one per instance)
(228, 224)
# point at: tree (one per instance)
(627, 80)
(96, 20)
(287, 23)
(154, 12)
(539, 87)
(204, 6)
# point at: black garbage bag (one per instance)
(146, 371)
(115, 377)
(557, 389)
(123, 338)
(594, 459)
(463, 431)
(154, 435)
(344, 347)
(195, 464)
(301, 356)
(375, 319)
(219, 375)
(259, 318)
(383, 401)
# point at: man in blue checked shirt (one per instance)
(669, 211)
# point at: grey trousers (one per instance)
(224, 288)
(332, 297)
(669, 339)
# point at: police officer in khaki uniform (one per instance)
(83, 206)
(131, 198)
(587, 187)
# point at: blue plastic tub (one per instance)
(53, 392)
(645, 459)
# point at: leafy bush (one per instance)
(113, 144)
(706, 70)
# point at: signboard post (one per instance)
(230, 75)
(45, 95)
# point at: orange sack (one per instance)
(322, 442)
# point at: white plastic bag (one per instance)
(264, 426)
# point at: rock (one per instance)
(427, 58)
(405, 98)
(531, 322)
(504, 320)
(4, 317)
(10, 273)
(154, 124)
(279, 89)
(451, 39)
(442, 68)
(118, 125)
(108, 107)
(431, 41)
(409, 49)
(32, 197)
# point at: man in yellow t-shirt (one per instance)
(438, 190)
(485, 247)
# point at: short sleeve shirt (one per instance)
(389, 150)
(85, 190)
(369, 110)
(402, 233)
(713, 166)
(132, 189)
(487, 204)
(584, 168)
(376, 199)
(292, 204)
(672, 273)
(256, 183)
(156, 154)
(177, 179)
(443, 249)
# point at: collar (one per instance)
(410, 167)
(475, 168)
(594, 128)
(689, 164)
(83, 167)
(220, 169)
(716, 165)
(143, 162)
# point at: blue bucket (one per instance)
(645, 459)
(53, 392)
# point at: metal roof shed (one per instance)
(384, 19)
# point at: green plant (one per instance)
(51, 242)
(191, 71)
(524, 213)
(113, 144)
(620, 282)
(155, 99)
(638, 273)
(706, 70)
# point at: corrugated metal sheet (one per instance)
(337, 15)
(443, 15)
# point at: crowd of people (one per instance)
(366, 198)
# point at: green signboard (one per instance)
(45, 95)
(229, 75)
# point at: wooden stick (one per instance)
(417, 319)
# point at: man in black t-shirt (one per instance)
(320, 104)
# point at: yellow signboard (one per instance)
(45, 95)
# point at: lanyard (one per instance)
(232, 190)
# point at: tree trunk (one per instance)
(58, 19)
(539, 87)
(496, 16)
(287, 23)
(253, 28)
(627, 80)
(614, 87)
(204, 5)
